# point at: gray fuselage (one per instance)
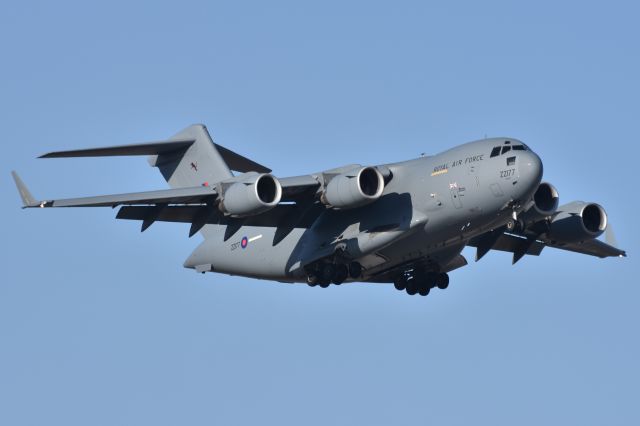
(428, 211)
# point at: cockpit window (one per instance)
(499, 150)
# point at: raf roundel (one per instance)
(244, 243)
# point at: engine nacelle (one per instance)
(252, 195)
(354, 188)
(578, 221)
(544, 204)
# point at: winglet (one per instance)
(27, 198)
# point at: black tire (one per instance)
(312, 279)
(341, 273)
(430, 279)
(327, 271)
(442, 281)
(399, 282)
(412, 288)
(325, 274)
(424, 291)
(355, 270)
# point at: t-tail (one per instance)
(187, 159)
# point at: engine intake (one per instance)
(578, 221)
(544, 204)
(546, 199)
(252, 195)
(354, 188)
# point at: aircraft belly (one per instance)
(249, 252)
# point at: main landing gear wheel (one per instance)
(412, 287)
(442, 280)
(423, 291)
(400, 282)
(355, 270)
(340, 274)
(312, 279)
(326, 273)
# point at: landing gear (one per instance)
(442, 280)
(423, 291)
(412, 287)
(312, 279)
(400, 282)
(340, 274)
(418, 282)
(355, 270)
(327, 271)
(514, 225)
(324, 274)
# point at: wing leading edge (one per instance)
(195, 195)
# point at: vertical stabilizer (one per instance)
(198, 164)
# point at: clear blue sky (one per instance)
(101, 325)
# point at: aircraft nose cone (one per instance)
(531, 169)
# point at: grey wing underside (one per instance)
(520, 245)
(195, 205)
(292, 189)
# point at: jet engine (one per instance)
(252, 195)
(354, 188)
(578, 221)
(544, 204)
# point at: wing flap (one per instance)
(511, 243)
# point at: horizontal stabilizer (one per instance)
(234, 160)
(149, 148)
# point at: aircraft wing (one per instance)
(292, 189)
(196, 195)
(591, 247)
(192, 205)
(520, 245)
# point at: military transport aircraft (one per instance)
(403, 223)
